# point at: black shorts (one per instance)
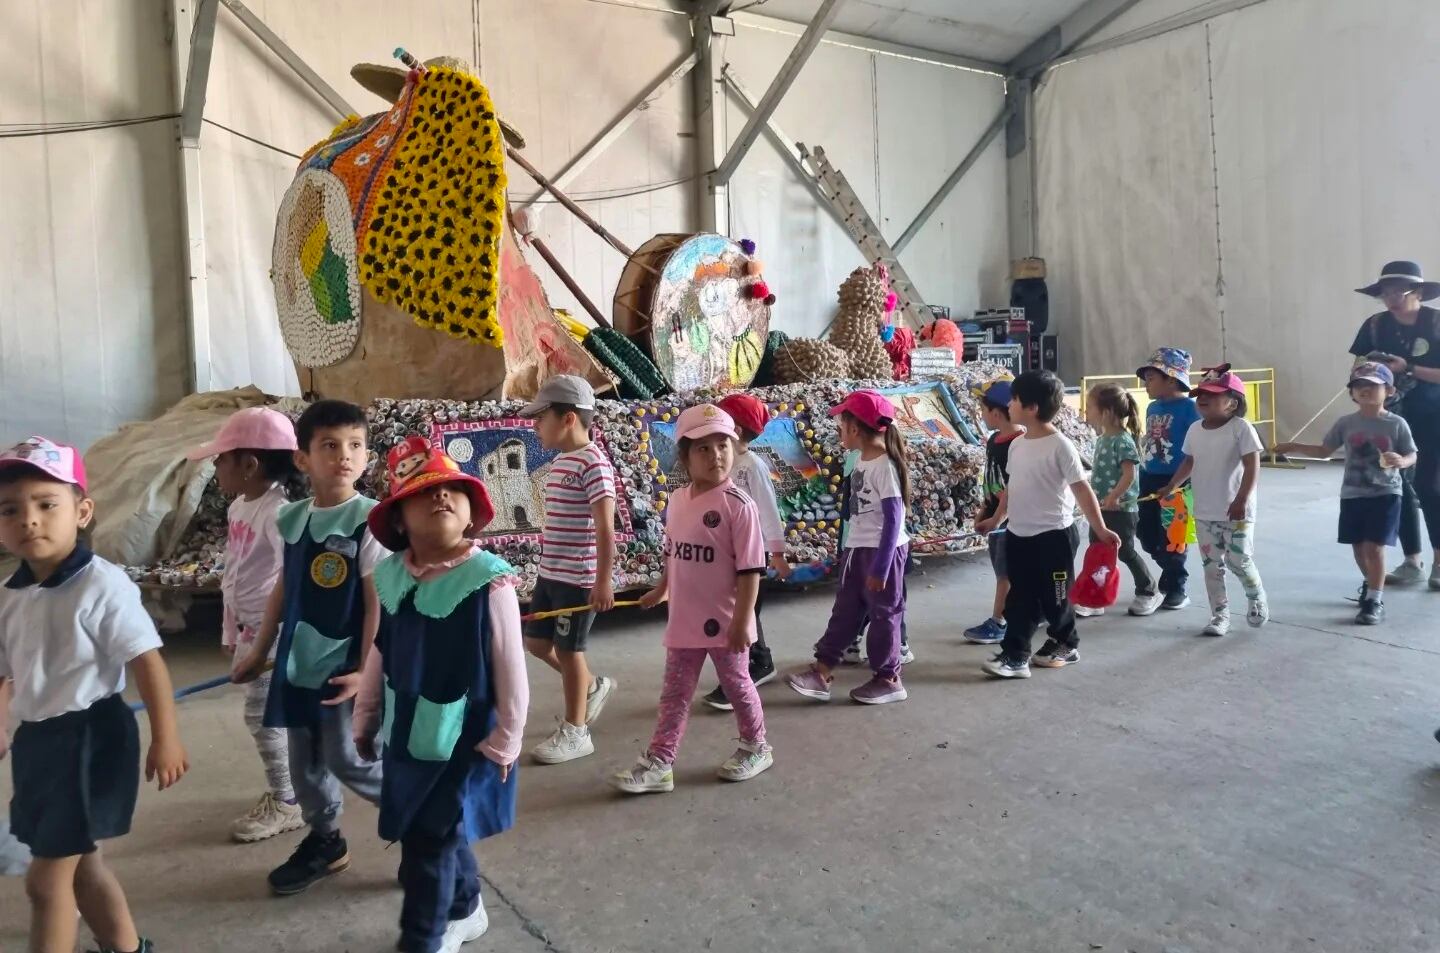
(568, 632)
(76, 779)
(1370, 519)
(996, 542)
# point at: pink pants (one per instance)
(682, 675)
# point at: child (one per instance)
(995, 411)
(876, 549)
(1111, 410)
(254, 455)
(577, 556)
(70, 623)
(325, 610)
(854, 653)
(714, 558)
(752, 474)
(1378, 447)
(1222, 462)
(1168, 418)
(1046, 480)
(446, 689)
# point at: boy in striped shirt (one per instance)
(577, 555)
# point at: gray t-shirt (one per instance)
(1364, 439)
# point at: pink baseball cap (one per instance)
(54, 460)
(254, 428)
(870, 407)
(1220, 380)
(702, 420)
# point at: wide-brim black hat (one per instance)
(1407, 272)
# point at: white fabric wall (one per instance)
(896, 127)
(92, 329)
(1326, 134)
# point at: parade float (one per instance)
(402, 283)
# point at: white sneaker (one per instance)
(907, 657)
(646, 776)
(460, 932)
(598, 695)
(1258, 613)
(1406, 574)
(1219, 624)
(747, 761)
(566, 744)
(1146, 605)
(269, 816)
(1085, 612)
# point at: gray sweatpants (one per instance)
(323, 758)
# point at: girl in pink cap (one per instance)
(1222, 463)
(872, 567)
(714, 558)
(254, 457)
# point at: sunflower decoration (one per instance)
(432, 226)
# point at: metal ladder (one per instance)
(866, 234)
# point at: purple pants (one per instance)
(682, 674)
(855, 602)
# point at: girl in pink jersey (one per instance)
(714, 557)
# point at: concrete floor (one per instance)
(1271, 791)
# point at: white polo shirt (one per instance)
(66, 641)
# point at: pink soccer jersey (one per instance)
(709, 540)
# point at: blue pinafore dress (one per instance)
(440, 702)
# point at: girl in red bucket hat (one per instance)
(444, 690)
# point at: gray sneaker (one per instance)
(1407, 574)
(596, 698)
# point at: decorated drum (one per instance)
(694, 304)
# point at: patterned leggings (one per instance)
(1224, 543)
(272, 743)
(682, 674)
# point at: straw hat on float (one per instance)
(388, 82)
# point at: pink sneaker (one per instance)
(810, 683)
(879, 691)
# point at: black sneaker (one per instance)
(1372, 612)
(1175, 600)
(717, 700)
(145, 947)
(762, 670)
(1361, 594)
(1048, 649)
(317, 857)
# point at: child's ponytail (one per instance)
(895, 450)
(1131, 415)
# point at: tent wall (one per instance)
(1321, 170)
(92, 332)
(896, 127)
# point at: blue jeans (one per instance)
(442, 883)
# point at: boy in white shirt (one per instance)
(1046, 480)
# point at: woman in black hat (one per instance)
(1406, 336)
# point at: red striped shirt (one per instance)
(578, 480)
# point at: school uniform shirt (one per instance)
(254, 556)
(66, 641)
(710, 539)
(1042, 470)
(1216, 475)
(752, 474)
(1166, 423)
(871, 483)
(578, 480)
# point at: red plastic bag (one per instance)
(1099, 582)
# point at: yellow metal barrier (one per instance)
(1259, 397)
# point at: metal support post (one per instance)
(789, 72)
(1020, 172)
(712, 197)
(194, 41)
